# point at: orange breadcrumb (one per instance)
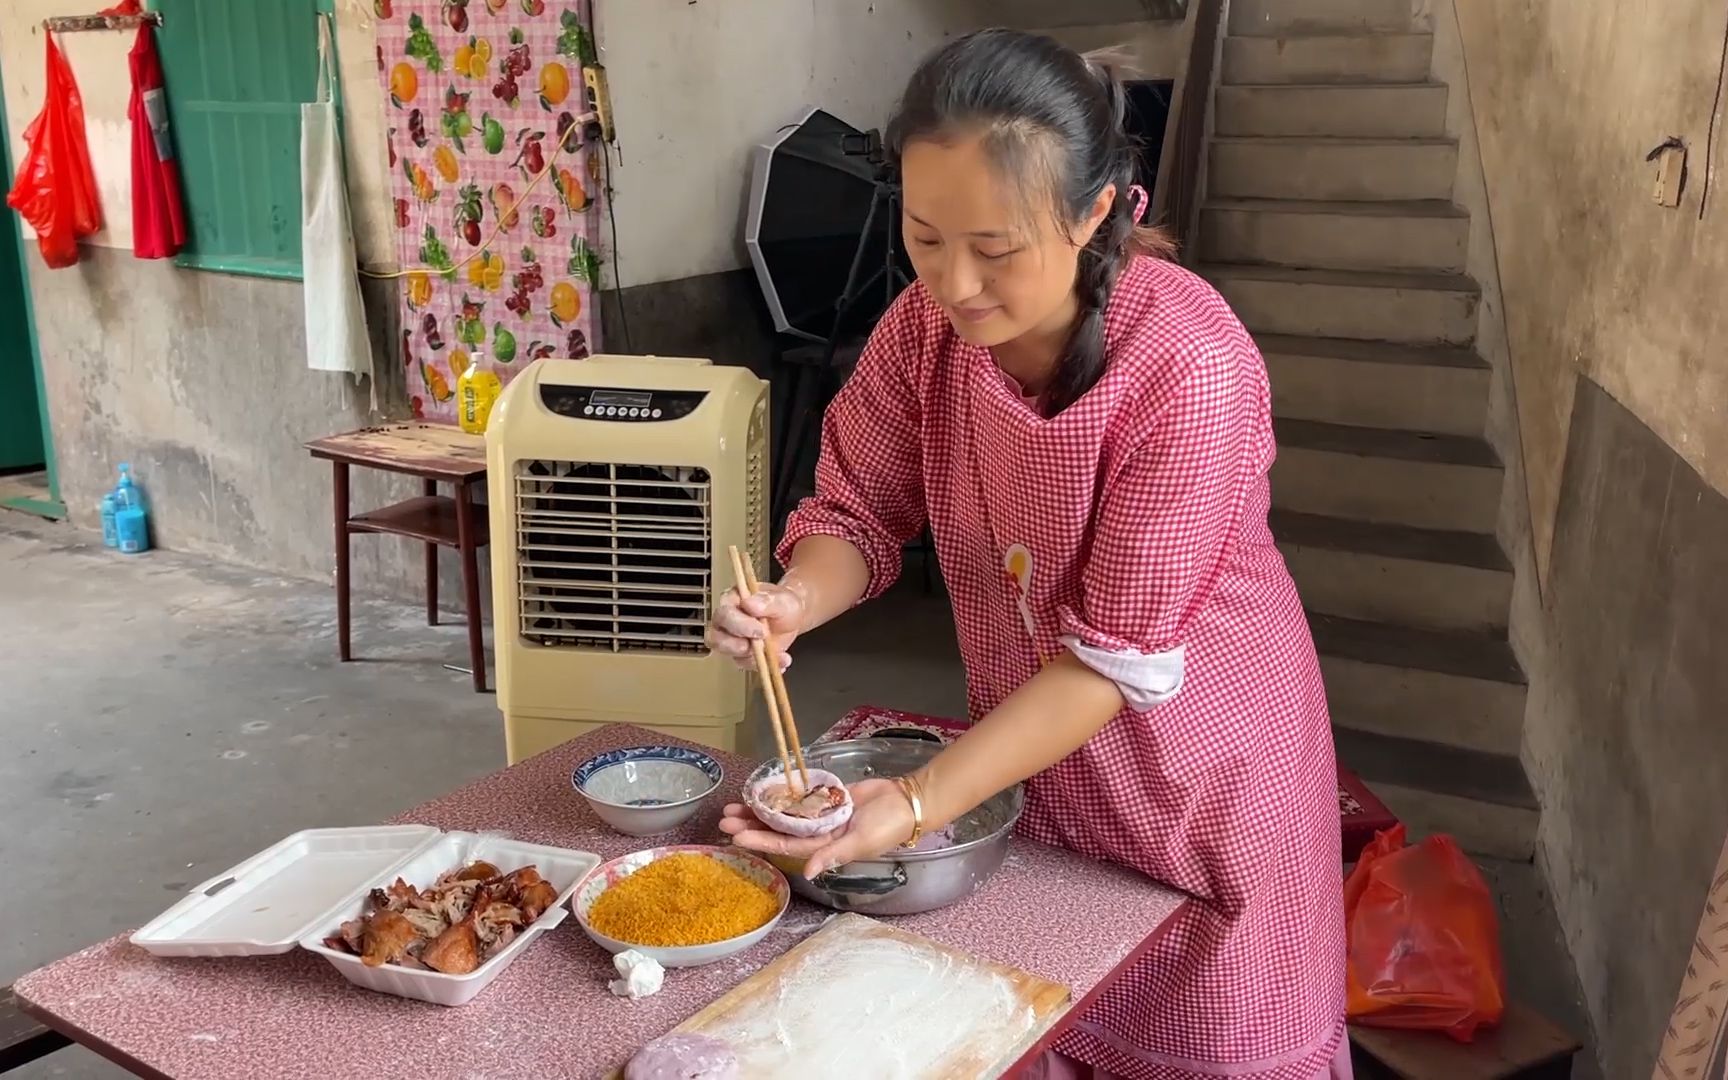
(682, 900)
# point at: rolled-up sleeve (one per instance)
(1165, 527)
(869, 485)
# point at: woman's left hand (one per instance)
(881, 821)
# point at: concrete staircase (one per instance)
(1329, 226)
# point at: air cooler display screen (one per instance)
(624, 399)
(629, 406)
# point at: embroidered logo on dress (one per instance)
(1017, 572)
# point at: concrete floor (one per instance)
(166, 716)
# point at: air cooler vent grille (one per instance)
(756, 487)
(614, 557)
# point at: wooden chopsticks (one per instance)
(773, 686)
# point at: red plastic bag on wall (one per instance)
(1424, 939)
(55, 190)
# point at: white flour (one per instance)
(880, 1008)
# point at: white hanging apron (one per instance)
(336, 338)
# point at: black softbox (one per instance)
(810, 201)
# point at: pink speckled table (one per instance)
(1054, 913)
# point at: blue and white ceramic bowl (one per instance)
(647, 790)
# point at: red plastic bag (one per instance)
(55, 189)
(1424, 939)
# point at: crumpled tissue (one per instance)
(638, 975)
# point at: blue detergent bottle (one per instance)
(110, 529)
(131, 516)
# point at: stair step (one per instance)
(1476, 551)
(1437, 388)
(1435, 766)
(1483, 800)
(1402, 235)
(1482, 829)
(1482, 657)
(1142, 39)
(1479, 713)
(1390, 353)
(1393, 573)
(1414, 710)
(1414, 308)
(1319, 167)
(1284, 18)
(1398, 208)
(1386, 476)
(1359, 58)
(1413, 446)
(1385, 110)
(1462, 689)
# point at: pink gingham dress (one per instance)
(1130, 528)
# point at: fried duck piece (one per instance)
(496, 915)
(399, 896)
(349, 937)
(499, 943)
(465, 918)
(428, 923)
(386, 938)
(451, 900)
(819, 800)
(535, 899)
(516, 880)
(455, 952)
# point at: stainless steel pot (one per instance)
(903, 882)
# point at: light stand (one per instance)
(805, 419)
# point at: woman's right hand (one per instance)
(739, 620)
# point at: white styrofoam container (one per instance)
(563, 867)
(265, 904)
(301, 889)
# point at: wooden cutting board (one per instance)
(861, 998)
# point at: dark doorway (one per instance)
(20, 409)
(27, 475)
(1148, 113)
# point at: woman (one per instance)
(1086, 428)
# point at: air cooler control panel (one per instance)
(621, 406)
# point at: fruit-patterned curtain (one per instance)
(480, 94)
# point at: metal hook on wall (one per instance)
(70, 24)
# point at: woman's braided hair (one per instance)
(1056, 122)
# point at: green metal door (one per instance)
(21, 445)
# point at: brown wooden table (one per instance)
(436, 454)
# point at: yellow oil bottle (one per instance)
(476, 391)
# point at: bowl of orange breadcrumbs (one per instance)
(684, 905)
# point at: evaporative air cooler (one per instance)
(616, 485)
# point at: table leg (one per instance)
(430, 487)
(339, 484)
(470, 583)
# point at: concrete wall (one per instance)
(1626, 717)
(1602, 320)
(1599, 280)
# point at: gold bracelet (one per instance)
(910, 787)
